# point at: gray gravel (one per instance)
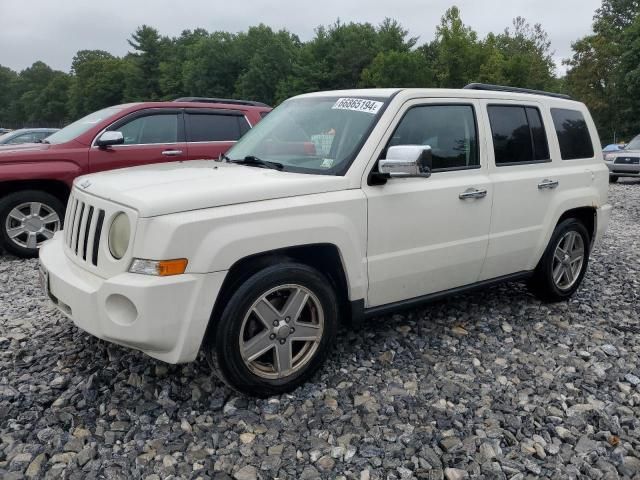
(487, 385)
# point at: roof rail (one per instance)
(502, 88)
(229, 101)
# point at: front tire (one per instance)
(563, 264)
(27, 220)
(613, 178)
(275, 331)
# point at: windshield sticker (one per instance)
(358, 105)
(327, 163)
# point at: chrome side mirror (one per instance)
(110, 138)
(407, 161)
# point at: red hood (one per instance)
(31, 147)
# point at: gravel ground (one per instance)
(487, 385)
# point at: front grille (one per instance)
(627, 160)
(83, 229)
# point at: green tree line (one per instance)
(270, 66)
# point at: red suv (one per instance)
(35, 179)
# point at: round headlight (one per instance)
(119, 235)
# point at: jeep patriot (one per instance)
(337, 206)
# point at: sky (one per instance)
(54, 30)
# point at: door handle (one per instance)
(546, 183)
(172, 153)
(472, 193)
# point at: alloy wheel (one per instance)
(30, 224)
(281, 331)
(567, 260)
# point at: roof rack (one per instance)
(229, 101)
(502, 88)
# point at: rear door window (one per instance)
(573, 134)
(214, 127)
(518, 135)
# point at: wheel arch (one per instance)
(324, 257)
(586, 215)
(57, 188)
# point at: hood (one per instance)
(23, 147)
(623, 153)
(166, 188)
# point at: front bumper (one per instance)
(623, 170)
(165, 317)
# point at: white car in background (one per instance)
(338, 206)
(624, 162)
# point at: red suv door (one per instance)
(150, 136)
(211, 132)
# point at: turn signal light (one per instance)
(161, 268)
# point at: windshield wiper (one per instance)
(252, 160)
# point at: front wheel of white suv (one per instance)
(275, 330)
(563, 264)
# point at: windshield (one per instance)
(319, 135)
(634, 144)
(78, 127)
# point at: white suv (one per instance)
(337, 206)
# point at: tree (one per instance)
(601, 70)
(526, 56)
(98, 82)
(211, 66)
(630, 77)
(398, 69)
(143, 80)
(171, 68)
(267, 59)
(457, 51)
(8, 80)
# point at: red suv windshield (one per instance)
(78, 127)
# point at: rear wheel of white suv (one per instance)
(27, 220)
(564, 262)
(275, 330)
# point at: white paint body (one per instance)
(407, 238)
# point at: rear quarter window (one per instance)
(573, 134)
(207, 127)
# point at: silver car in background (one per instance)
(625, 162)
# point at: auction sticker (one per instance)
(358, 105)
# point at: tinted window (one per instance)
(540, 145)
(518, 134)
(573, 134)
(450, 131)
(161, 128)
(215, 127)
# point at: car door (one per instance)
(428, 235)
(212, 132)
(525, 181)
(150, 136)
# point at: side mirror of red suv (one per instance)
(110, 138)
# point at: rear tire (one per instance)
(563, 264)
(613, 178)
(28, 219)
(275, 331)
